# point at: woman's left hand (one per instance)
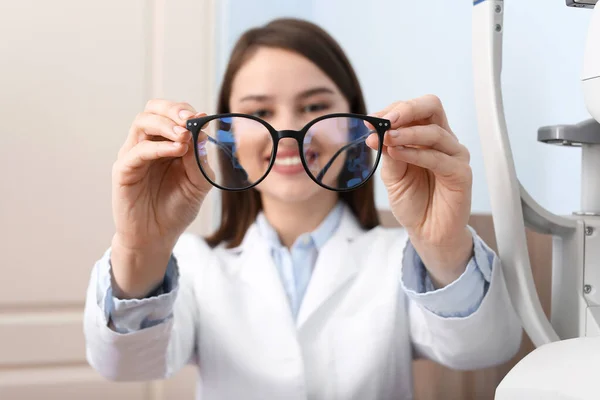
(428, 179)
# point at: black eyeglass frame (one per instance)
(381, 126)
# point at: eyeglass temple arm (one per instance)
(222, 146)
(342, 149)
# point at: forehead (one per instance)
(277, 71)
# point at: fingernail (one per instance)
(391, 116)
(179, 130)
(393, 133)
(185, 114)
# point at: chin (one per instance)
(291, 190)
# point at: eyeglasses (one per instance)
(240, 150)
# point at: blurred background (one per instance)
(73, 75)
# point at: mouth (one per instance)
(291, 163)
(288, 161)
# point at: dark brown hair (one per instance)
(239, 209)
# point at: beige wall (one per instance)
(73, 75)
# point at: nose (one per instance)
(286, 121)
(288, 143)
(287, 124)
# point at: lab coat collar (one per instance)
(333, 269)
(318, 237)
(348, 228)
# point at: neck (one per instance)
(291, 220)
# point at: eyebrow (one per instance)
(303, 95)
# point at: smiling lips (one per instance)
(288, 162)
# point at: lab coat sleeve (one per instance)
(459, 299)
(468, 324)
(130, 315)
(154, 337)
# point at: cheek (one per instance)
(252, 139)
(326, 144)
(289, 190)
(329, 134)
(253, 152)
(334, 142)
(252, 145)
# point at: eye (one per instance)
(313, 108)
(261, 114)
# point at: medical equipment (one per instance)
(567, 358)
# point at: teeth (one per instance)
(288, 161)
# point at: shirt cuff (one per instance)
(131, 315)
(460, 298)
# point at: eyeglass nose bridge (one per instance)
(289, 133)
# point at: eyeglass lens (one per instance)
(335, 153)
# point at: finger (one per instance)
(426, 109)
(201, 149)
(147, 126)
(178, 112)
(431, 136)
(198, 115)
(386, 110)
(437, 162)
(159, 127)
(373, 141)
(144, 153)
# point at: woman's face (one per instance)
(287, 91)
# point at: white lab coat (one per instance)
(355, 337)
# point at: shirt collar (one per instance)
(319, 236)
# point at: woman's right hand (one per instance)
(157, 192)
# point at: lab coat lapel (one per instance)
(335, 266)
(256, 269)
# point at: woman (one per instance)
(299, 293)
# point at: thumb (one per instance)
(393, 170)
(194, 167)
(373, 141)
